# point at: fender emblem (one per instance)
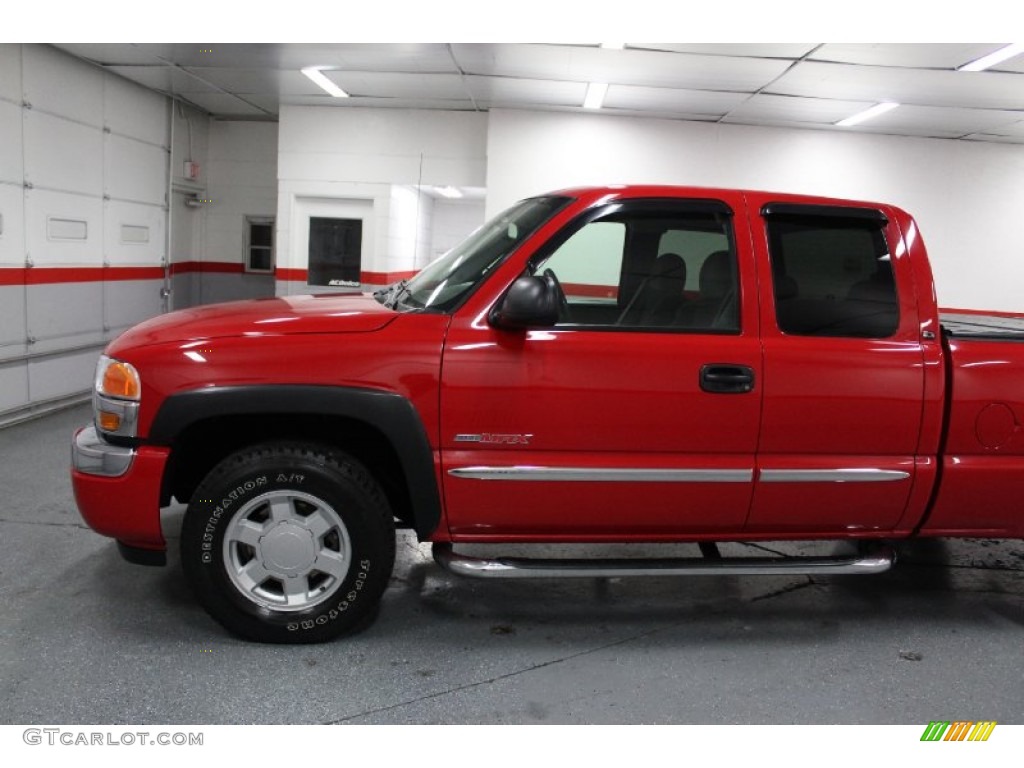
(491, 438)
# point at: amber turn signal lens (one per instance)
(109, 422)
(121, 380)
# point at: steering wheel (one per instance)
(553, 284)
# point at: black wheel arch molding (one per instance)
(390, 414)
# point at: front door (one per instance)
(637, 414)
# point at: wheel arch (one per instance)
(382, 429)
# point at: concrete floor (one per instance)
(88, 638)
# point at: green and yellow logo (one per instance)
(960, 730)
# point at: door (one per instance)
(844, 373)
(331, 247)
(637, 414)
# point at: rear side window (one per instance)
(832, 275)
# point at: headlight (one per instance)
(116, 401)
(115, 378)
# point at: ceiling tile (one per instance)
(945, 121)
(367, 57)
(627, 67)
(995, 139)
(223, 104)
(109, 54)
(673, 100)
(460, 105)
(164, 78)
(254, 80)
(512, 91)
(919, 55)
(982, 90)
(755, 50)
(399, 86)
(793, 110)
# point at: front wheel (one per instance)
(289, 543)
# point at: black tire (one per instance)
(289, 543)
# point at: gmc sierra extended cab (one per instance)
(619, 364)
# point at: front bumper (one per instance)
(117, 490)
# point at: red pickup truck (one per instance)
(616, 364)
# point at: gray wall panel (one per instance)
(10, 148)
(58, 83)
(53, 377)
(12, 319)
(214, 288)
(63, 155)
(134, 111)
(13, 387)
(12, 228)
(129, 302)
(182, 291)
(135, 170)
(10, 72)
(65, 311)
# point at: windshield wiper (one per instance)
(389, 296)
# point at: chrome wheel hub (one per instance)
(287, 550)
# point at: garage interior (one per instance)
(136, 179)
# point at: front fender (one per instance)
(389, 413)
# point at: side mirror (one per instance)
(530, 302)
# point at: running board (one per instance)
(876, 560)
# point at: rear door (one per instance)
(637, 413)
(844, 373)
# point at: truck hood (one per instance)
(347, 313)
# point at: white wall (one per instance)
(453, 221)
(380, 156)
(409, 232)
(966, 196)
(84, 153)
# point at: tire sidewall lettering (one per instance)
(335, 479)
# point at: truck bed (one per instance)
(977, 326)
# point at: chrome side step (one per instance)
(877, 560)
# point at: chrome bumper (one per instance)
(92, 455)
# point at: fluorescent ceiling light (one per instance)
(996, 57)
(867, 114)
(318, 77)
(595, 95)
(449, 192)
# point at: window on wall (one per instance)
(335, 252)
(259, 244)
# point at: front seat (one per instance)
(659, 300)
(716, 307)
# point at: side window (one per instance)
(651, 265)
(832, 276)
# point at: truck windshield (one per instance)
(443, 284)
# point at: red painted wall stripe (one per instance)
(207, 267)
(57, 275)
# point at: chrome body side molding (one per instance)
(852, 475)
(609, 475)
